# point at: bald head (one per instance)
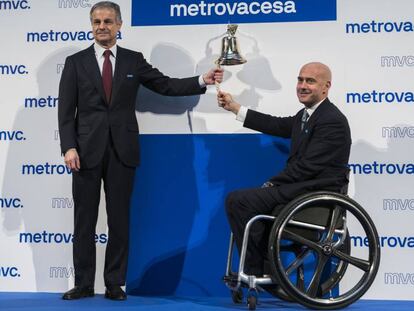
(313, 85)
(321, 69)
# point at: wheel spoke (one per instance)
(362, 264)
(298, 261)
(336, 214)
(289, 235)
(300, 278)
(314, 283)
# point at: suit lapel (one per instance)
(301, 135)
(318, 112)
(92, 68)
(121, 68)
(298, 134)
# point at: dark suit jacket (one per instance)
(319, 153)
(86, 119)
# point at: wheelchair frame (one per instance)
(334, 209)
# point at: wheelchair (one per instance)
(310, 254)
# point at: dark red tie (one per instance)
(107, 75)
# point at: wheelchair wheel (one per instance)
(237, 296)
(252, 299)
(315, 227)
(327, 284)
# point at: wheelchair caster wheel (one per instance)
(237, 296)
(252, 299)
(252, 302)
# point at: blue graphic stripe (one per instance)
(188, 12)
(178, 223)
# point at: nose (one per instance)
(301, 84)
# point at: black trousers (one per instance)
(86, 186)
(241, 206)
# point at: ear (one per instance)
(328, 84)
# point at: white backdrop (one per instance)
(368, 49)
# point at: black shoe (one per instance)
(78, 292)
(115, 293)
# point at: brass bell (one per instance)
(230, 52)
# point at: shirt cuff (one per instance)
(201, 81)
(241, 115)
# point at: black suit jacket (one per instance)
(86, 119)
(319, 153)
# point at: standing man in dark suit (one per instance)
(318, 159)
(99, 140)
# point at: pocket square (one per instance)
(130, 76)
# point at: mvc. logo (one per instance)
(73, 4)
(11, 203)
(397, 61)
(12, 135)
(398, 204)
(392, 278)
(398, 132)
(61, 272)
(62, 203)
(13, 70)
(9, 272)
(14, 5)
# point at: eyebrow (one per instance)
(306, 78)
(106, 20)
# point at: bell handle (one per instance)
(216, 82)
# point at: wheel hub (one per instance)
(327, 249)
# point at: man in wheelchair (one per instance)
(318, 160)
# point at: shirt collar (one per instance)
(314, 107)
(99, 50)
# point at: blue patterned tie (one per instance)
(304, 119)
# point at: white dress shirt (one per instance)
(99, 54)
